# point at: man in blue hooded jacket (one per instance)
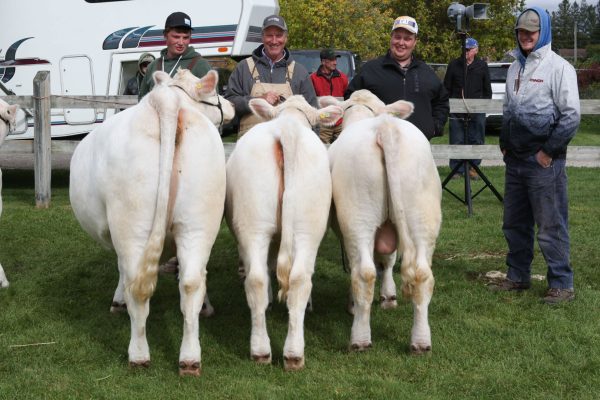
(540, 117)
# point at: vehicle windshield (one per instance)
(498, 73)
(312, 62)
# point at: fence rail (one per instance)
(42, 147)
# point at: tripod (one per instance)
(468, 163)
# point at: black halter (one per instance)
(6, 122)
(360, 104)
(218, 105)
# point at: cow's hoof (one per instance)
(170, 267)
(350, 308)
(189, 368)
(262, 358)
(116, 308)
(388, 303)
(363, 346)
(420, 349)
(293, 363)
(207, 310)
(139, 364)
(3, 284)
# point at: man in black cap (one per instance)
(329, 81)
(178, 54)
(270, 73)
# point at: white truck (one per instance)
(91, 47)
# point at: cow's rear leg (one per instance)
(257, 294)
(3, 280)
(118, 303)
(192, 292)
(417, 284)
(138, 309)
(385, 269)
(171, 266)
(362, 275)
(298, 297)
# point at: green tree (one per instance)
(348, 24)
(364, 26)
(562, 26)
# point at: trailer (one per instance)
(91, 47)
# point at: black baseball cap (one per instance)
(275, 20)
(178, 20)
(329, 54)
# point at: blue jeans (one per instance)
(475, 130)
(534, 195)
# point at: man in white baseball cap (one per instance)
(399, 75)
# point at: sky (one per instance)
(552, 5)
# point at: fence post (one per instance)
(42, 161)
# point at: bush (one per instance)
(588, 80)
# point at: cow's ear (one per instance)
(261, 108)
(401, 109)
(208, 83)
(329, 115)
(160, 77)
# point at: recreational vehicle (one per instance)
(91, 47)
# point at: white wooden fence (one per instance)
(42, 147)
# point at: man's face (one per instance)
(402, 44)
(329, 65)
(274, 39)
(527, 40)
(471, 53)
(177, 42)
(144, 67)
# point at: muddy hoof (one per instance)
(293, 363)
(420, 349)
(207, 311)
(189, 368)
(361, 346)
(262, 359)
(388, 303)
(139, 364)
(116, 308)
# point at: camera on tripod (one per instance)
(461, 15)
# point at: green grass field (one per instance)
(485, 345)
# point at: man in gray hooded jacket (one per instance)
(541, 116)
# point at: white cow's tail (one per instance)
(389, 138)
(166, 104)
(289, 143)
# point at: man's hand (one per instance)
(543, 159)
(271, 97)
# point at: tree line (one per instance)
(364, 26)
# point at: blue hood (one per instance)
(545, 32)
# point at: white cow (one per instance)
(278, 200)
(385, 186)
(8, 115)
(150, 176)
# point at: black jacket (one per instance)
(478, 86)
(419, 85)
